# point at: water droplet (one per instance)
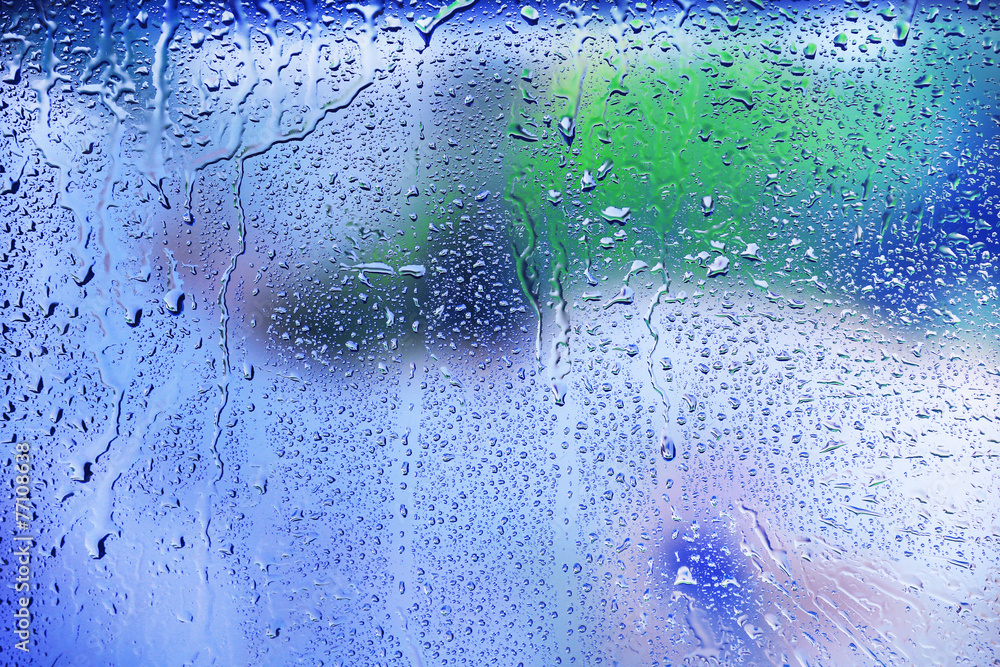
(567, 128)
(707, 205)
(684, 577)
(667, 449)
(719, 267)
(604, 169)
(615, 214)
(517, 131)
(413, 270)
(174, 300)
(752, 252)
(625, 296)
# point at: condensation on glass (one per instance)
(650, 333)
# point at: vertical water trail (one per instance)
(106, 196)
(574, 91)
(527, 272)
(115, 79)
(58, 157)
(207, 497)
(561, 364)
(158, 122)
(312, 60)
(525, 266)
(42, 87)
(368, 72)
(224, 319)
(237, 118)
(667, 447)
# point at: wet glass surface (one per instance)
(658, 333)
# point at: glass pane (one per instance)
(651, 333)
